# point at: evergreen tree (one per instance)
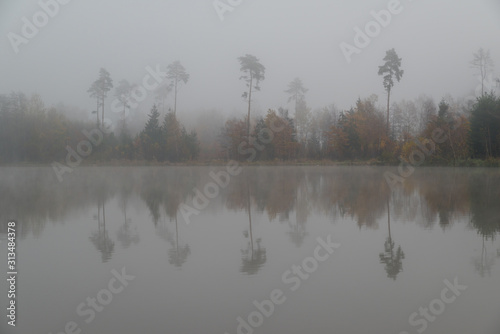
(171, 132)
(390, 70)
(485, 127)
(151, 136)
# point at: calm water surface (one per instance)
(397, 251)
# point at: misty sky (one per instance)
(292, 38)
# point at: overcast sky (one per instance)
(292, 38)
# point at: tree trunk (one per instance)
(490, 148)
(102, 114)
(175, 98)
(483, 75)
(249, 102)
(176, 235)
(296, 118)
(388, 98)
(97, 111)
(452, 148)
(389, 218)
(249, 217)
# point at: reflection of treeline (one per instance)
(163, 190)
(33, 196)
(431, 196)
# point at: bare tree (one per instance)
(123, 92)
(94, 93)
(484, 64)
(99, 90)
(162, 93)
(177, 74)
(297, 91)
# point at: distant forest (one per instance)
(417, 132)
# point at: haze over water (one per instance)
(397, 248)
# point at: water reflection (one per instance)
(252, 259)
(178, 252)
(393, 260)
(485, 218)
(126, 234)
(283, 195)
(100, 238)
(163, 191)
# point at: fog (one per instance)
(435, 39)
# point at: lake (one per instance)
(266, 250)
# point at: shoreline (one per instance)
(470, 163)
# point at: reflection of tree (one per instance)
(274, 190)
(252, 259)
(167, 189)
(33, 196)
(484, 206)
(152, 193)
(163, 191)
(100, 238)
(431, 197)
(178, 255)
(484, 263)
(392, 259)
(298, 230)
(359, 194)
(125, 234)
(445, 195)
(485, 218)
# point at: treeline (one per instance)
(447, 133)
(32, 133)
(450, 132)
(413, 132)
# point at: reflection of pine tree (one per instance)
(178, 255)
(392, 259)
(252, 259)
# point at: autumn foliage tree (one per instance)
(359, 133)
(452, 130)
(232, 135)
(283, 142)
